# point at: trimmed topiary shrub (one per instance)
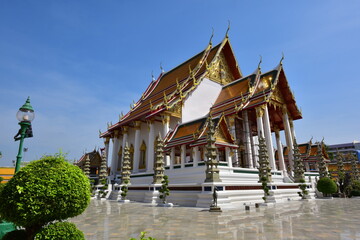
(15, 235)
(45, 190)
(327, 186)
(60, 231)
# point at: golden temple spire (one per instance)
(282, 58)
(227, 31)
(212, 35)
(259, 65)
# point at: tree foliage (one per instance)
(45, 190)
(60, 231)
(326, 186)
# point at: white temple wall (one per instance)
(199, 102)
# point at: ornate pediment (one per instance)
(219, 71)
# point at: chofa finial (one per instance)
(282, 58)
(259, 67)
(227, 31)
(212, 35)
(152, 75)
(161, 68)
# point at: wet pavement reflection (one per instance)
(315, 219)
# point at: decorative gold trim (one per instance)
(260, 110)
(125, 129)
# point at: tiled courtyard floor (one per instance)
(316, 219)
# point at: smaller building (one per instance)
(6, 173)
(344, 148)
(95, 163)
(309, 154)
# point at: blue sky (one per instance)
(83, 62)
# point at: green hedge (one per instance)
(60, 231)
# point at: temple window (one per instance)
(177, 159)
(142, 162)
(222, 155)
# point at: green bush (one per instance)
(43, 191)
(60, 231)
(326, 186)
(143, 237)
(15, 235)
(354, 189)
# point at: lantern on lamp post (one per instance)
(25, 115)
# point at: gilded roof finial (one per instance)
(282, 58)
(161, 68)
(227, 31)
(151, 106)
(259, 67)
(152, 75)
(212, 35)
(99, 132)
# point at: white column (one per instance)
(228, 157)
(280, 151)
(247, 141)
(114, 158)
(268, 138)
(183, 155)
(196, 156)
(106, 142)
(292, 129)
(289, 138)
(233, 133)
(254, 156)
(172, 158)
(307, 168)
(166, 124)
(150, 149)
(259, 121)
(137, 146)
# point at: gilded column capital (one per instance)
(125, 129)
(149, 123)
(232, 120)
(107, 140)
(284, 109)
(165, 119)
(116, 133)
(137, 125)
(291, 122)
(260, 110)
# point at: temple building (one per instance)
(176, 106)
(94, 158)
(309, 154)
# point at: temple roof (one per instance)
(254, 90)
(195, 133)
(95, 159)
(175, 85)
(308, 151)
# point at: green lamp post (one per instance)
(25, 115)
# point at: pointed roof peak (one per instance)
(228, 29)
